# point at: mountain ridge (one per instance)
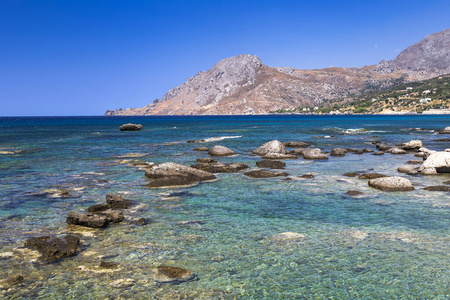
(244, 85)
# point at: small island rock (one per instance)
(130, 127)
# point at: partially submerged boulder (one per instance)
(371, 175)
(219, 150)
(314, 153)
(116, 201)
(279, 156)
(391, 184)
(54, 248)
(274, 146)
(130, 127)
(412, 145)
(438, 162)
(446, 130)
(396, 151)
(218, 167)
(406, 168)
(338, 152)
(296, 144)
(271, 164)
(87, 220)
(173, 174)
(438, 188)
(265, 174)
(174, 275)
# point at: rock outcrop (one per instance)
(54, 248)
(173, 174)
(274, 146)
(438, 162)
(130, 127)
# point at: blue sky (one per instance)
(77, 57)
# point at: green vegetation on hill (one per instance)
(413, 97)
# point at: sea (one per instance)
(379, 245)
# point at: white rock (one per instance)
(274, 146)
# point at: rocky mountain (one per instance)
(244, 85)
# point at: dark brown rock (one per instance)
(353, 193)
(221, 167)
(438, 188)
(87, 220)
(265, 174)
(371, 175)
(173, 181)
(174, 275)
(442, 140)
(113, 216)
(206, 160)
(447, 182)
(378, 153)
(296, 144)
(338, 152)
(354, 174)
(98, 208)
(383, 147)
(271, 164)
(115, 201)
(130, 127)
(201, 149)
(54, 248)
(414, 162)
(13, 280)
(108, 265)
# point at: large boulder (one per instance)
(265, 174)
(88, 220)
(396, 150)
(446, 130)
(411, 145)
(391, 184)
(314, 153)
(271, 164)
(438, 162)
(172, 174)
(406, 169)
(130, 127)
(274, 146)
(54, 248)
(383, 147)
(338, 152)
(220, 151)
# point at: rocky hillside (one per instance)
(244, 85)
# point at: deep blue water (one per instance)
(379, 246)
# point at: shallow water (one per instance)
(378, 246)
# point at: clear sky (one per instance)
(81, 57)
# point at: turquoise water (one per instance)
(379, 246)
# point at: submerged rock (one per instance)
(371, 175)
(271, 164)
(54, 248)
(130, 127)
(406, 169)
(218, 167)
(220, 151)
(88, 220)
(279, 156)
(274, 146)
(396, 151)
(438, 188)
(391, 184)
(353, 193)
(174, 275)
(201, 149)
(288, 237)
(265, 174)
(296, 144)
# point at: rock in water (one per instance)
(130, 127)
(265, 174)
(438, 162)
(412, 145)
(220, 151)
(174, 275)
(54, 248)
(115, 201)
(446, 130)
(271, 164)
(391, 184)
(314, 153)
(338, 152)
(288, 237)
(173, 174)
(274, 146)
(87, 220)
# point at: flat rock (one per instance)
(314, 153)
(219, 150)
(406, 168)
(171, 169)
(265, 174)
(296, 144)
(206, 160)
(338, 152)
(378, 153)
(396, 151)
(172, 181)
(201, 149)
(279, 156)
(288, 237)
(391, 184)
(218, 167)
(271, 164)
(54, 248)
(438, 188)
(88, 220)
(130, 127)
(353, 193)
(274, 146)
(371, 175)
